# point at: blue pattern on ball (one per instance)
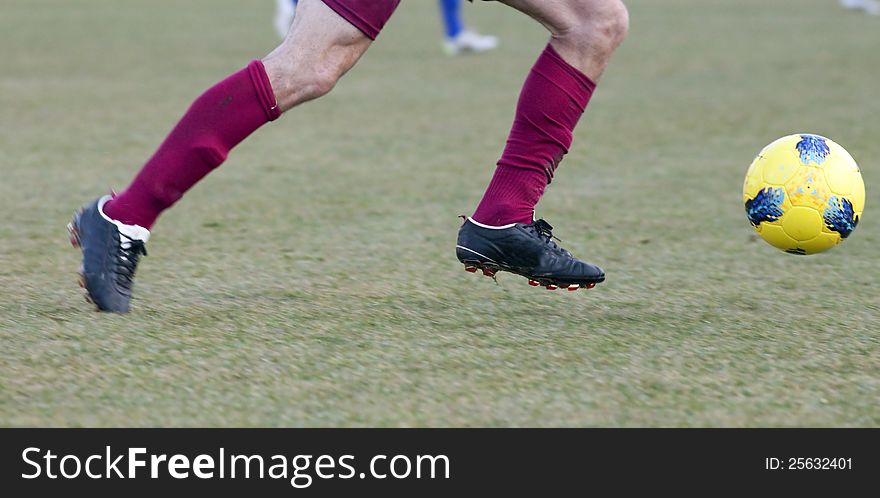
(765, 206)
(813, 148)
(839, 216)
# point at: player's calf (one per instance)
(319, 49)
(584, 32)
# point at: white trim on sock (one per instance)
(133, 232)
(490, 227)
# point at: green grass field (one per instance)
(311, 280)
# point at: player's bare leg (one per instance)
(319, 49)
(502, 234)
(321, 46)
(584, 32)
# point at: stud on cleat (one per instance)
(589, 286)
(489, 272)
(573, 287)
(534, 283)
(471, 269)
(552, 287)
(73, 235)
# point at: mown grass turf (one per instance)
(311, 280)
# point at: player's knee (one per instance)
(320, 81)
(598, 24)
(302, 80)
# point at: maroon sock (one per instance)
(553, 98)
(216, 122)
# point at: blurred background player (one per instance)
(869, 6)
(457, 38)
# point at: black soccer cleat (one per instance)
(527, 250)
(110, 258)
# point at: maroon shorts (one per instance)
(366, 15)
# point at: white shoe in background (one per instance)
(869, 6)
(284, 13)
(469, 41)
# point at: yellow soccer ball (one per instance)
(804, 194)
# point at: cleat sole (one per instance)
(73, 235)
(487, 269)
(491, 270)
(81, 280)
